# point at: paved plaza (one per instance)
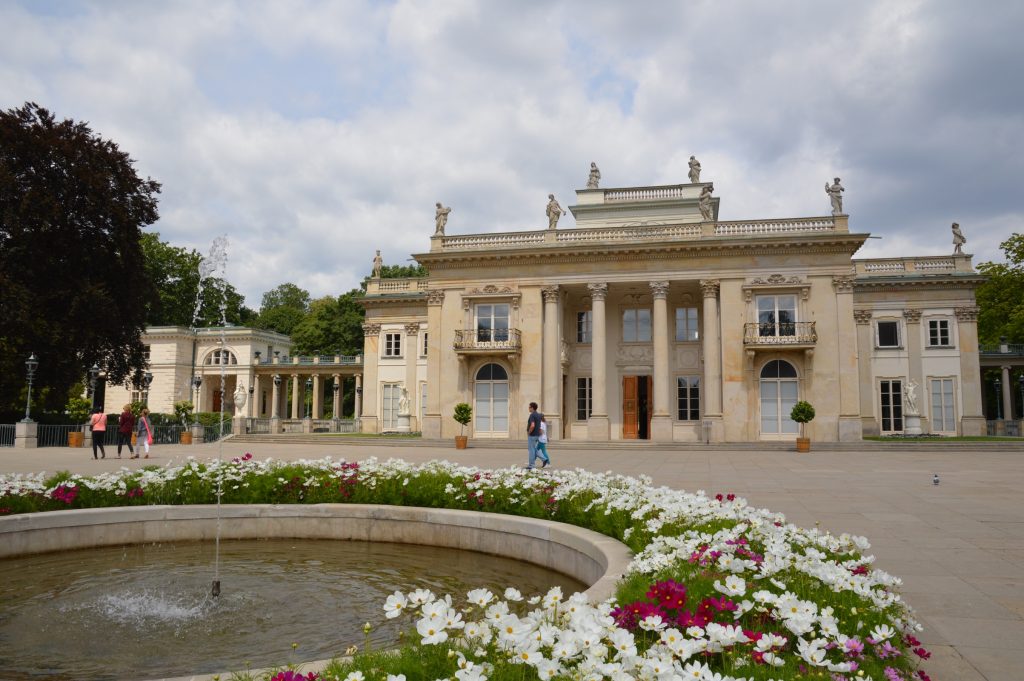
(958, 546)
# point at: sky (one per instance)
(312, 133)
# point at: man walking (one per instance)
(533, 435)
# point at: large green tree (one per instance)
(334, 324)
(174, 273)
(73, 288)
(283, 308)
(1001, 298)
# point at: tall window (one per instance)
(218, 357)
(686, 324)
(146, 350)
(490, 415)
(492, 323)
(889, 335)
(584, 326)
(423, 350)
(892, 406)
(584, 397)
(688, 398)
(636, 326)
(393, 344)
(778, 395)
(391, 393)
(938, 333)
(776, 315)
(943, 407)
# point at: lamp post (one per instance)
(1020, 380)
(147, 380)
(309, 398)
(197, 381)
(31, 364)
(94, 373)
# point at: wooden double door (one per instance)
(636, 407)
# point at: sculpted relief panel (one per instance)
(686, 358)
(581, 358)
(634, 354)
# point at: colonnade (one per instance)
(300, 403)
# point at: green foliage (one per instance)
(398, 272)
(802, 412)
(1001, 298)
(332, 325)
(78, 409)
(73, 286)
(283, 308)
(183, 412)
(136, 407)
(463, 414)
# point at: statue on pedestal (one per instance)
(835, 195)
(704, 202)
(440, 219)
(694, 170)
(595, 176)
(910, 396)
(554, 212)
(378, 264)
(958, 239)
(403, 402)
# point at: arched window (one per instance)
(779, 390)
(221, 356)
(490, 413)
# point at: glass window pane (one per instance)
(643, 330)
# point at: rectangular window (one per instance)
(686, 324)
(889, 335)
(584, 397)
(776, 315)
(688, 398)
(892, 406)
(492, 323)
(636, 326)
(584, 326)
(390, 395)
(938, 333)
(146, 353)
(135, 396)
(943, 407)
(393, 344)
(423, 352)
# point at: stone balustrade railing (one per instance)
(758, 227)
(645, 193)
(919, 264)
(384, 286)
(306, 360)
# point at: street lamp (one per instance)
(147, 380)
(94, 373)
(309, 398)
(252, 389)
(999, 400)
(1020, 380)
(197, 381)
(31, 364)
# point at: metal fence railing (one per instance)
(6, 434)
(51, 435)
(1006, 427)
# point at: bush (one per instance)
(463, 415)
(802, 412)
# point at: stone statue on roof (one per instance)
(694, 170)
(707, 211)
(440, 219)
(835, 195)
(554, 212)
(595, 176)
(958, 239)
(378, 265)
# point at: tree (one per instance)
(283, 308)
(73, 288)
(333, 324)
(398, 272)
(174, 273)
(1001, 298)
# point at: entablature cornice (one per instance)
(776, 282)
(930, 283)
(491, 292)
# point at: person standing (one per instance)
(125, 426)
(533, 424)
(542, 442)
(144, 432)
(98, 426)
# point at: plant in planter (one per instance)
(802, 413)
(463, 414)
(183, 411)
(77, 410)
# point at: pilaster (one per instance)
(431, 426)
(711, 349)
(552, 375)
(972, 420)
(661, 419)
(371, 356)
(411, 353)
(598, 427)
(850, 428)
(913, 319)
(865, 348)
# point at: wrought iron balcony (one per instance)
(485, 341)
(780, 334)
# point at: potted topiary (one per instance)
(77, 410)
(463, 414)
(802, 413)
(183, 412)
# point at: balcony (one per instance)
(488, 341)
(782, 335)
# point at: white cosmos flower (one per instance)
(652, 623)
(421, 596)
(480, 597)
(695, 670)
(432, 632)
(513, 595)
(355, 676)
(734, 586)
(882, 632)
(395, 605)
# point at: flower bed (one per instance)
(717, 590)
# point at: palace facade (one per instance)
(651, 320)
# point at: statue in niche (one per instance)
(910, 396)
(694, 170)
(835, 195)
(704, 202)
(958, 239)
(595, 176)
(440, 219)
(378, 264)
(403, 402)
(554, 212)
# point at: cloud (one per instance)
(312, 133)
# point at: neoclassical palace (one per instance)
(652, 319)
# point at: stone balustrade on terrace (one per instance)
(882, 267)
(377, 287)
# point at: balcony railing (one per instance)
(487, 340)
(776, 334)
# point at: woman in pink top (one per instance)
(98, 423)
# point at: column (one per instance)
(661, 420)
(296, 395)
(431, 426)
(318, 397)
(254, 402)
(358, 408)
(598, 426)
(412, 353)
(336, 405)
(972, 421)
(1007, 394)
(712, 360)
(847, 371)
(865, 349)
(552, 376)
(275, 402)
(913, 319)
(369, 422)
